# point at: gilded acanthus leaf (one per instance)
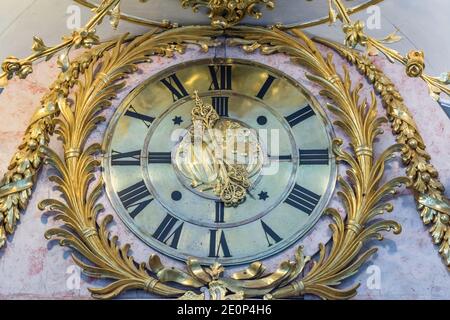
(363, 194)
(429, 191)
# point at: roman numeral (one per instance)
(300, 115)
(283, 158)
(270, 234)
(168, 230)
(136, 197)
(215, 247)
(131, 112)
(159, 157)
(314, 157)
(221, 77)
(176, 88)
(132, 158)
(303, 199)
(266, 86)
(221, 105)
(220, 212)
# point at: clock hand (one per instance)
(229, 181)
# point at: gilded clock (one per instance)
(219, 159)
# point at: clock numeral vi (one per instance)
(175, 86)
(218, 243)
(221, 77)
(136, 197)
(303, 199)
(169, 231)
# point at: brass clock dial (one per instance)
(180, 205)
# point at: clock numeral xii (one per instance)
(221, 77)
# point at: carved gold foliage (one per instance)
(84, 37)
(227, 13)
(432, 204)
(414, 61)
(17, 183)
(362, 192)
(78, 209)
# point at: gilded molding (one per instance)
(432, 204)
(363, 194)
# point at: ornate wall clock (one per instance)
(220, 166)
(181, 204)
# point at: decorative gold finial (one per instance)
(227, 13)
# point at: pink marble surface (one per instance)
(406, 266)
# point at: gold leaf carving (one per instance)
(362, 192)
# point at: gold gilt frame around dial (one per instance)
(362, 192)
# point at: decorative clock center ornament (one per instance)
(219, 154)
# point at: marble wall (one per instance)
(406, 266)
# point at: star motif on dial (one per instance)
(177, 120)
(263, 195)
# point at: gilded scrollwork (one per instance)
(414, 61)
(432, 204)
(362, 192)
(227, 13)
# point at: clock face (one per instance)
(220, 160)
